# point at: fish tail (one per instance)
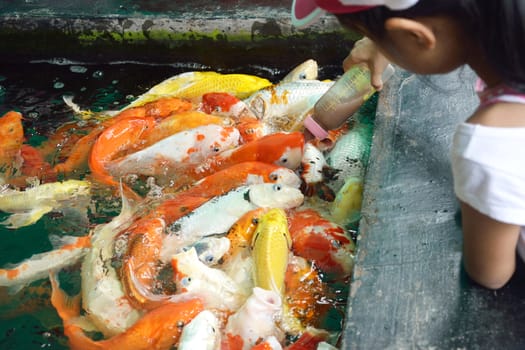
(68, 308)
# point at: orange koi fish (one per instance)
(139, 266)
(227, 105)
(119, 138)
(319, 240)
(11, 139)
(160, 108)
(281, 149)
(159, 329)
(303, 297)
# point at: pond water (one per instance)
(36, 89)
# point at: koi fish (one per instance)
(103, 298)
(229, 106)
(255, 319)
(271, 244)
(315, 172)
(202, 333)
(218, 214)
(211, 285)
(280, 149)
(308, 70)
(350, 154)
(269, 343)
(304, 302)
(319, 240)
(69, 250)
(190, 147)
(159, 329)
(346, 208)
(283, 107)
(80, 152)
(195, 84)
(144, 240)
(182, 121)
(119, 138)
(11, 139)
(30, 205)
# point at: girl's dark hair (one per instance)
(498, 26)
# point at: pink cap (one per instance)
(305, 12)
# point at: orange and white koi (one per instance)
(119, 138)
(82, 149)
(281, 149)
(187, 147)
(227, 105)
(159, 329)
(255, 319)
(325, 243)
(182, 121)
(30, 205)
(315, 172)
(69, 250)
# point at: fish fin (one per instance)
(18, 220)
(14, 289)
(67, 307)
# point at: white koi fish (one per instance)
(213, 286)
(220, 213)
(202, 333)
(28, 206)
(256, 318)
(190, 146)
(103, 296)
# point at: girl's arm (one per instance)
(489, 248)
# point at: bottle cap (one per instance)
(317, 130)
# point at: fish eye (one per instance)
(216, 149)
(274, 177)
(186, 281)
(209, 258)
(283, 160)
(302, 76)
(277, 187)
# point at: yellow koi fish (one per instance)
(271, 246)
(195, 84)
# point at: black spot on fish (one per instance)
(246, 196)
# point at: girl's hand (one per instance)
(366, 51)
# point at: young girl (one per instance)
(438, 36)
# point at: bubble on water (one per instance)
(83, 88)
(98, 74)
(78, 69)
(58, 85)
(3, 90)
(114, 82)
(130, 97)
(33, 115)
